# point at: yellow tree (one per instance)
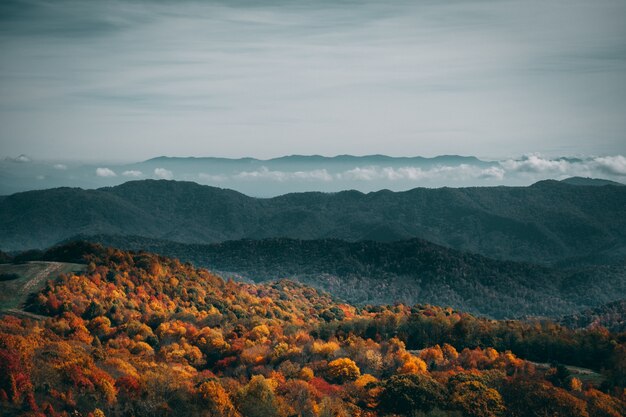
(216, 400)
(343, 369)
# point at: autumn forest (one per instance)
(142, 335)
(312, 208)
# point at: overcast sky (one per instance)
(128, 80)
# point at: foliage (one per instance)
(408, 271)
(142, 335)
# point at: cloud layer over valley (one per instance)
(313, 173)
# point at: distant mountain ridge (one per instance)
(321, 158)
(598, 182)
(410, 271)
(547, 222)
(253, 176)
(304, 173)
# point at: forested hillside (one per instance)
(611, 316)
(410, 271)
(138, 334)
(546, 222)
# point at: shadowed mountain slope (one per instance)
(546, 222)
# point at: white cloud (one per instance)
(317, 174)
(492, 173)
(105, 172)
(265, 174)
(61, 167)
(164, 174)
(537, 166)
(311, 85)
(132, 173)
(536, 163)
(458, 172)
(615, 165)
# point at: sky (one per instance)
(130, 80)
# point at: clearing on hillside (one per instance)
(30, 277)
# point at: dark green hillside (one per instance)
(598, 182)
(412, 271)
(546, 222)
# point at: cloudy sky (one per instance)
(129, 80)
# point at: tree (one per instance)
(216, 400)
(257, 399)
(297, 394)
(402, 394)
(538, 399)
(342, 370)
(475, 399)
(433, 356)
(333, 407)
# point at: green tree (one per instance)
(403, 394)
(257, 399)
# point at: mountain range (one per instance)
(547, 222)
(258, 177)
(300, 173)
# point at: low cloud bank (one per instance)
(266, 174)
(531, 167)
(567, 167)
(459, 173)
(132, 173)
(163, 174)
(105, 172)
(270, 177)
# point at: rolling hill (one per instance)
(411, 271)
(546, 222)
(138, 334)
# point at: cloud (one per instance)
(266, 174)
(212, 178)
(105, 172)
(541, 167)
(20, 158)
(615, 165)
(311, 77)
(317, 174)
(61, 167)
(163, 173)
(458, 173)
(461, 172)
(132, 173)
(492, 173)
(537, 164)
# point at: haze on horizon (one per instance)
(129, 80)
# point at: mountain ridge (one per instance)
(317, 158)
(546, 222)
